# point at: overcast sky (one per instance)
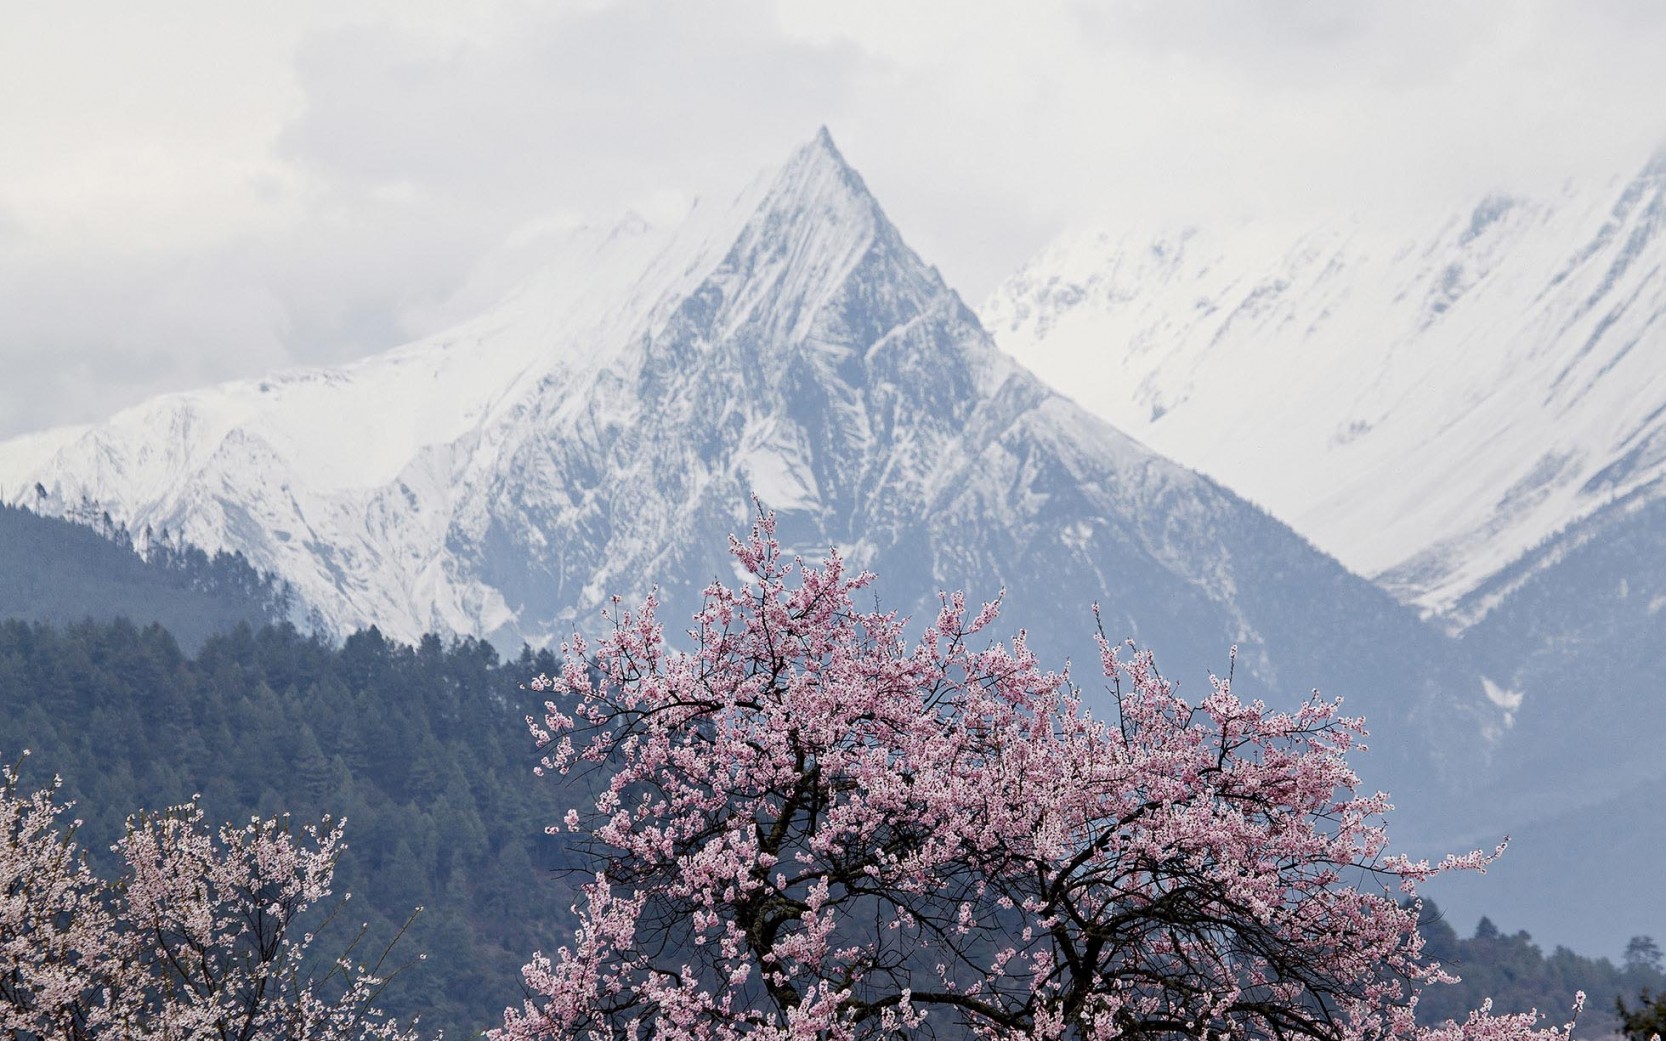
(196, 191)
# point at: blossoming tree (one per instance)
(197, 939)
(810, 826)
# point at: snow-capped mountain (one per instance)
(606, 429)
(1427, 404)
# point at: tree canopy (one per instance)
(202, 934)
(814, 827)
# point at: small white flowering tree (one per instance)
(199, 936)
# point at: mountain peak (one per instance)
(817, 172)
(608, 435)
(808, 245)
(821, 149)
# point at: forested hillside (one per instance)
(1513, 971)
(422, 749)
(53, 570)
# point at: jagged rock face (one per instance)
(819, 365)
(606, 430)
(1425, 403)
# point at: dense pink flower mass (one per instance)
(196, 940)
(812, 827)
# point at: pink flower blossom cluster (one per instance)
(196, 939)
(813, 827)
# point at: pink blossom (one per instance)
(193, 940)
(812, 827)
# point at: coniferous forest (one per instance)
(423, 750)
(55, 570)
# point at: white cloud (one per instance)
(206, 190)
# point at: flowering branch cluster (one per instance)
(812, 827)
(196, 939)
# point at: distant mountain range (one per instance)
(605, 430)
(1393, 396)
(1427, 402)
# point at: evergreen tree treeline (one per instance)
(423, 749)
(1517, 975)
(53, 570)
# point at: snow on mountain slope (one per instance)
(607, 429)
(342, 479)
(1425, 403)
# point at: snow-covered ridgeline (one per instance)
(605, 430)
(1426, 404)
(345, 480)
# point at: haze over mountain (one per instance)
(607, 428)
(64, 573)
(1427, 403)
